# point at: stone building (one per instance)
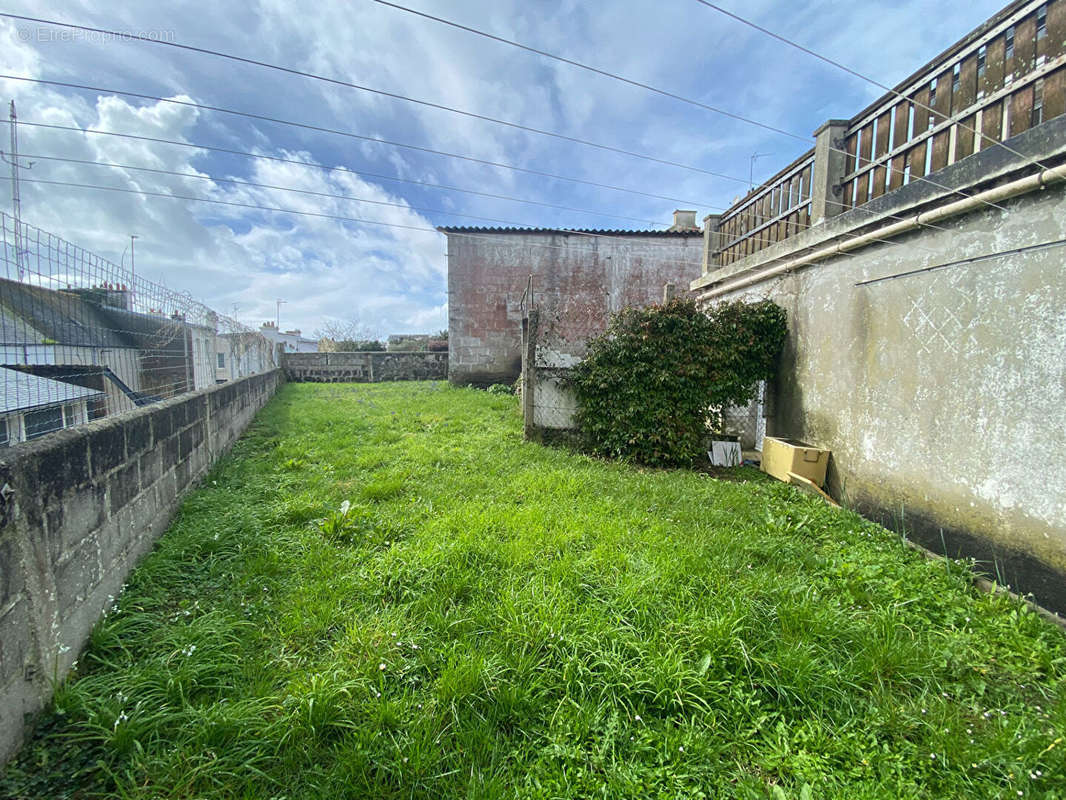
(576, 278)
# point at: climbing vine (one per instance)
(653, 381)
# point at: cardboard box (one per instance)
(782, 456)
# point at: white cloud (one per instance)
(393, 278)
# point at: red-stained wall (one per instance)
(578, 281)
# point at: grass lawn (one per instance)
(492, 618)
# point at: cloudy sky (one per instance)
(390, 276)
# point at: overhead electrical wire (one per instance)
(362, 88)
(321, 129)
(345, 170)
(860, 76)
(490, 235)
(669, 94)
(236, 182)
(336, 81)
(570, 231)
(595, 70)
(396, 96)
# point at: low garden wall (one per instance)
(365, 367)
(79, 509)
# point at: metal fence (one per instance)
(82, 337)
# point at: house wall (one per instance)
(941, 392)
(578, 281)
(88, 502)
(75, 412)
(369, 367)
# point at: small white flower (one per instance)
(637, 718)
(405, 759)
(381, 666)
(932, 755)
(681, 749)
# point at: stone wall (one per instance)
(578, 282)
(932, 364)
(80, 508)
(369, 367)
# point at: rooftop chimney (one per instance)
(684, 221)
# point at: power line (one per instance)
(346, 171)
(860, 76)
(360, 87)
(797, 225)
(588, 234)
(334, 131)
(342, 218)
(234, 181)
(330, 195)
(595, 70)
(666, 93)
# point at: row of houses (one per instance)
(72, 355)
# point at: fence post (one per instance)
(830, 166)
(529, 371)
(712, 241)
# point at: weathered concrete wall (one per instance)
(941, 393)
(578, 281)
(369, 367)
(87, 503)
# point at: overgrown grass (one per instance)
(384, 592)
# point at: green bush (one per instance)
(653, 380)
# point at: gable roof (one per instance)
(32, 314)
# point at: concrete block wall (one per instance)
(80, 508)
(368, 367)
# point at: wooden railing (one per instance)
(997, 85)
(774, 211)
(1002, 79)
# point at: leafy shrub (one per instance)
(500, 388)
(651, 382)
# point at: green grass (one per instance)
(384, 593)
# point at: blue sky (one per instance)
(391, 279)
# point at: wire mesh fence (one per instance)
(82, 337)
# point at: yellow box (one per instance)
(782, 456)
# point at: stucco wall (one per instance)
(82, 506)
(942, 394)
(578, 281)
